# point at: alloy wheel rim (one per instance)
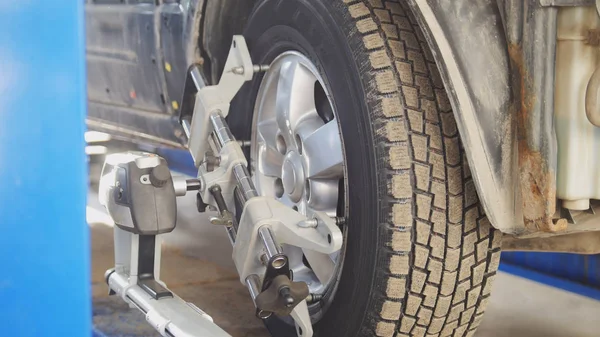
(297, 156)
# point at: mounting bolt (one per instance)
(309, 223)
(238, 70)
(260, 68)
(244, 143)
(340, 221)
(314, 298)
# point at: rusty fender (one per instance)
(500, 83)
(469, 44)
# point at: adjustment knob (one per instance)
(159, 175)
(281, 296)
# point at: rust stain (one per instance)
(537, 181)
(593, 37)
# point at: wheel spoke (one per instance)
(323, 195)
(270, 159)
(321, 264)
(285, 199)
(267, 130)
(302, 207)
(295, 97)
(323, 151)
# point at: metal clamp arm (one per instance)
(209, 99)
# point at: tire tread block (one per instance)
(443, 252)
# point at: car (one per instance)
(437, 134)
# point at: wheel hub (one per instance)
(292, 175)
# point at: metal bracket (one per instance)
(302, 320)
(209, 99)
(231, 156)
(325, 238)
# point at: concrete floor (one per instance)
(197, 266)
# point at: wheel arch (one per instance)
(472, 56)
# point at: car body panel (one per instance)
(136, 57)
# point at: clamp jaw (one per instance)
(200, 101)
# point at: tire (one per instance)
(420, 254)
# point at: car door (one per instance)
(136, 68)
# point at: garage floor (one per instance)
(197, 266)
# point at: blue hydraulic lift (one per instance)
(44, 242)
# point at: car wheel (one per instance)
(352, 118)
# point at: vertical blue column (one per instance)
(44, 240)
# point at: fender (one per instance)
(468, 41)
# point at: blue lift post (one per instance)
(44, 239)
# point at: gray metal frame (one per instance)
(169, 316)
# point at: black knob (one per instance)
(159, 175)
